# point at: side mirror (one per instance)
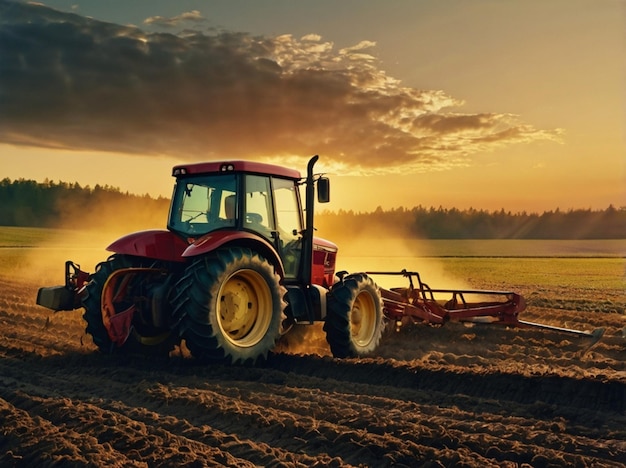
(323, 190)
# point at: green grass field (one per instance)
(39, 254)
(581, 272)
(24, 237)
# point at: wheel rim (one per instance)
(245, 308)
(363, 319)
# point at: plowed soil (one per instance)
(456, 395)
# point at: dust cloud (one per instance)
(377, 247)
(304, 339)
(83, 235)
(371, 254)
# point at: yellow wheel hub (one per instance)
(245, 308)
(363, 319)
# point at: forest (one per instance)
(29, 203)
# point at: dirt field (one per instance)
(449, 396)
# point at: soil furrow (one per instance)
(455, 395)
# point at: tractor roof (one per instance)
(213, 167)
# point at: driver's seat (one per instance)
(230, 207)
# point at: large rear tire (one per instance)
(230, 306)
(354, 322)
(142, 340)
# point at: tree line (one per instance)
(52, 204)
(28, 203)
(443, 223)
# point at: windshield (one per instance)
(204, 203)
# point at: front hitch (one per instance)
(66, 297)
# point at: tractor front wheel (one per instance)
(354, 322)
(230, 306)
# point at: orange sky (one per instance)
(516, 105)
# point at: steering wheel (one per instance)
(254, 218)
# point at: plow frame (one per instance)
(419, 303)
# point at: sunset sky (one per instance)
(462, 103)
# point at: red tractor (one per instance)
(239, 265)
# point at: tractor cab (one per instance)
(241, 196)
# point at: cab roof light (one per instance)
(227, 167)
(178, 171)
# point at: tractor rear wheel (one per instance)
(143, 339)
(230, 306)
(354, 322)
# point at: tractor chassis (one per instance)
(417, 303)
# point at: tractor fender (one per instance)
(215, 240)
(155, 243)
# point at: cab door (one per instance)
(272, 209)
(288, 228)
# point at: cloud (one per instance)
(193, 16)
(71, 82)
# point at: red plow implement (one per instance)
(419, 303)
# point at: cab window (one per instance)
(202, 204)
(258, 205)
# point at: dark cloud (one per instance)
(67, 81)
